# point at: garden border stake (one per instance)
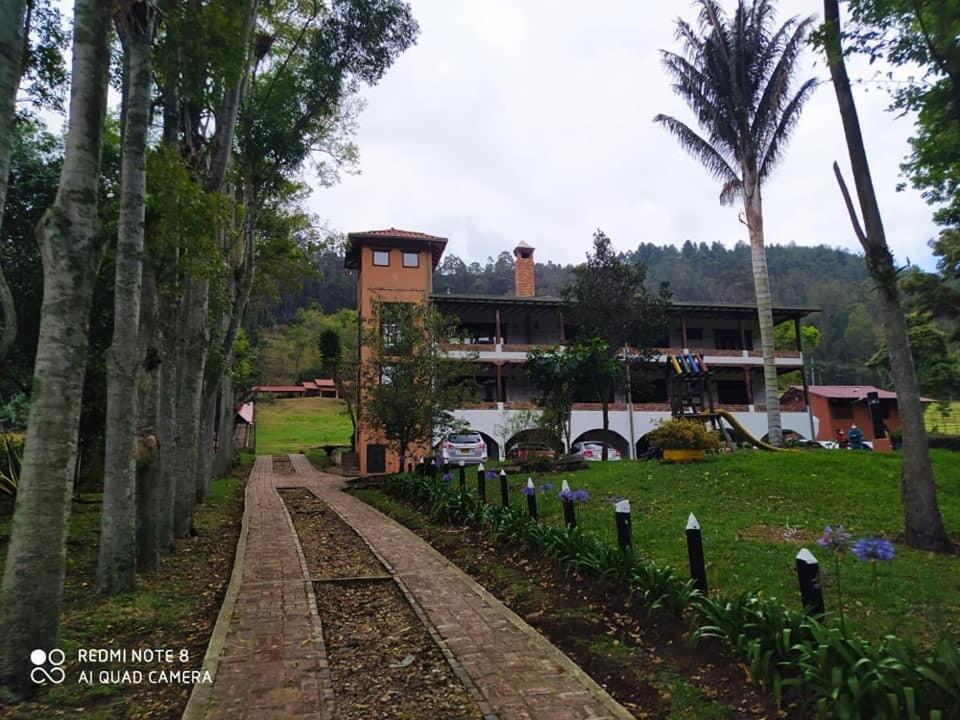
(624, 527)
(504, 491)
(463, 475)
(811, 592)
(698, 566)
(482, 484)
(569, 514)
(532, 499)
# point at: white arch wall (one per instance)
(493, 422)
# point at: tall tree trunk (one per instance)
(12, 39)
(761, 281)
(116, 569)
(71, 246)
(149, 459)
(924, 524)
(190, 371)
(167, 427)
(223, 462)
(208, 419)
(606, 426)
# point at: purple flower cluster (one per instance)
(447, 477)
(527, 490)
(835, 539)
(577, 496)
(546, 487)
(491, 474)
(872, 549)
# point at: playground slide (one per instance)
(735, 424)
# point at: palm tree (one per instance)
(738, 75)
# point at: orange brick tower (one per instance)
(392, 266)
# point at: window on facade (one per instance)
(727, 340)
(381, 258)
(480, 333)
(391, 325)
(411, 260)
(694, 333)
(386, 374)
(732, 392)
(841, 410)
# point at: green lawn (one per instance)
(758, 509)
(297, 424)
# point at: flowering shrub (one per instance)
(835, 540)
(527, 490)
(577, 496)
(873, 549)
(678, 434)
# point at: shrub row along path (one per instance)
(267, 653)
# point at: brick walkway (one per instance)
(269, 658)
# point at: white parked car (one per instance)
(591, 451)
(466, 446)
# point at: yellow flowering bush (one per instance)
(677, 434)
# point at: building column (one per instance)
(743, 338)
(563, 336)
(499, 367)
(499, 337)
(683, 333)
(749, 380)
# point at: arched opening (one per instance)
(535, 435)
(614, 438)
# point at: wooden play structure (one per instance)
(691, 389)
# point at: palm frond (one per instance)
(709, 156)
(731, 191)
(777, 91)
(781, 135)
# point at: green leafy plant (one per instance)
(11, 458)
(676, 434)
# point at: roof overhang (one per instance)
(394, 239)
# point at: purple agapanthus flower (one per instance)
(447, 477)
(835, 539)
(872, 549)
(546, 487)
(566, 495)
(581, 496)
(527, 490)
(491, 474)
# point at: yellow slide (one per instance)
(735, 424)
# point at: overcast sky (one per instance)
(532, 120)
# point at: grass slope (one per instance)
(758, 509)
(296, 424)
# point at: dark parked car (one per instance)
(530, 450)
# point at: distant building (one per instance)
(397, 266)
(837, 407)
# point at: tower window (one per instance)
(381, 258)
(411, 260)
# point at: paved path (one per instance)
(267, 649)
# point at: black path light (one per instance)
(482, 483)
(624, 528)
(463, 475)
(433, 468)
(808, 572)
(504, 491)
(421, 466)
(531, 492)
(698, 568)
(446, 466)
(566, 499)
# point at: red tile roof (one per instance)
(395, 233)
(309, 384)
(279, 388)
(852, 392)
(324, 383)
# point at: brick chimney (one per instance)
(525, 284)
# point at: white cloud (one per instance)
(533, 121)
